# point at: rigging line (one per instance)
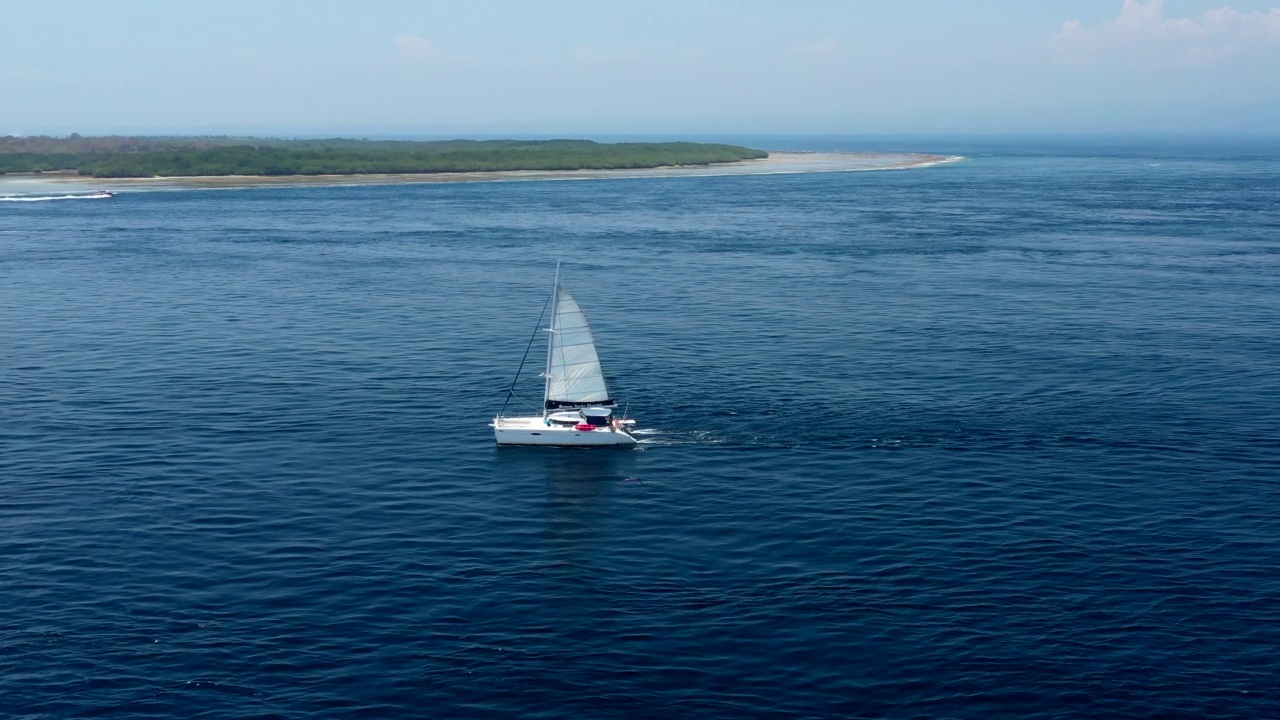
(511, 391)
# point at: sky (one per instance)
(570, 67)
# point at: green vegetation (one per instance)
(119, 157)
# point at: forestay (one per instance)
(573, 368)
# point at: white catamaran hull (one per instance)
(535, 431)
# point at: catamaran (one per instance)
(576, 407)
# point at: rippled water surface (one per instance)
(993, 439)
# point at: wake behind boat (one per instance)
(95, 195)
(576, 407)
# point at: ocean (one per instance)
(997, 438)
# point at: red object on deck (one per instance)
(584, 426)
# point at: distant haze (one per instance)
(581, 68)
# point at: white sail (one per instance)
(573, 368)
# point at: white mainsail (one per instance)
(573, 368)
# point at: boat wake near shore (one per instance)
(45, 198)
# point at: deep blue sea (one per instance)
(992, 439)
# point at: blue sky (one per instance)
(648, 67)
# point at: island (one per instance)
(179, 157)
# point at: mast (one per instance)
(551, 337)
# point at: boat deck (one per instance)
(537, 431)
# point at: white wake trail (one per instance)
(45, 198)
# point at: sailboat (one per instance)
(576, 407)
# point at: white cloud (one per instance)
(1141, 36)
(585, 53)
(412, 46)
(826, 47)
(420, 50)
(21, 75)
(589, 54)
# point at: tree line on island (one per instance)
(123, 156)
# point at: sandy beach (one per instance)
(776, 163)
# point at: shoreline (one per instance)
(776, 163)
